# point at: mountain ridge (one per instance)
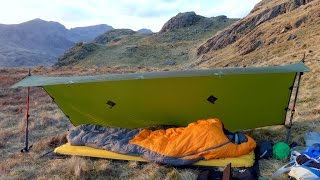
(172, 45)
(40, 42)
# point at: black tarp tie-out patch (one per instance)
(212, 99)
(110, 104)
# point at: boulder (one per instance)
(181, 20)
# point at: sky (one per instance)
(132, 14)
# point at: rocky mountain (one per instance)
(39, 42)
(145, 31)
(113, 35)
(88, 33)
(181, 20)
(275, 32)
(172, 46)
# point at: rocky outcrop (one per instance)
(241, 28)
(181, 20)
(77, 53)
(300, 21)
(251, 47)
(144, 31)
(291, 37)
(259, 5)
(113, 35)
(294, 4)
(272, 41)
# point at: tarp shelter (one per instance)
(242, 98)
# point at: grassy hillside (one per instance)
(168, 48)
(275, 32)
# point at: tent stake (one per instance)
(27, 148)
(293, 110)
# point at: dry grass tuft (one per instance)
(187, 175)
(269, 166)
(50, 142)
(79, 167)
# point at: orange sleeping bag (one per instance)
(201, 139)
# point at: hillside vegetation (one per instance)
(173, 45)
(275, 32)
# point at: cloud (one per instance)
(230, 8)
(120, 13)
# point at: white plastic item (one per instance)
(312, 138)
(302, 173)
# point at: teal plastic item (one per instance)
(262, 178)
(281, 150)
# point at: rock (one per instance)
(297, 3)
(144, 31)
(272, 41)
(79, 44)
(291, 37)
(197, 63)
(76, 54)
(300, 21)
(132, 49)
(253, 46)
(169, 62)
(287, 28)
(259, 5)
(181, 20)
(222, 18)
(113, 35)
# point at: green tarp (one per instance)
(242, 98)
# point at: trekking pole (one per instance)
(27, 148)
(293, 110)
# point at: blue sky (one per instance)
(133, 14)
